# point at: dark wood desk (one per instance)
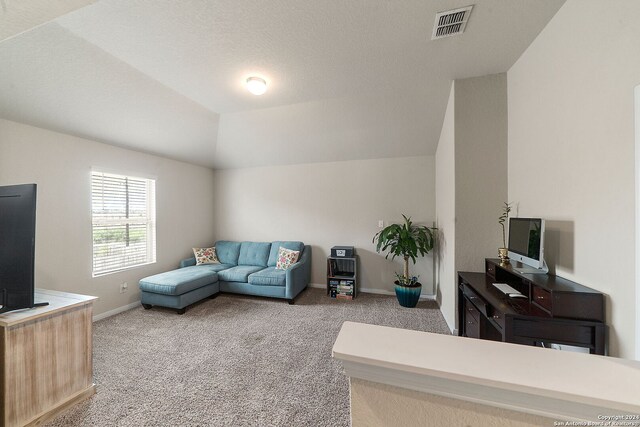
(555, 310)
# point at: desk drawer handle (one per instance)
(540, 297)
(495, 316)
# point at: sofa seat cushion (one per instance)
(239, 273)
(275, 246)
(219, 267)
(180, 281)
(269, 277)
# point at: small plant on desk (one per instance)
(503, 252)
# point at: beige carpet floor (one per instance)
(232, 361)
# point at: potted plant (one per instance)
(407, 241)
(503, 252)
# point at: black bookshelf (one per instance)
(342, 277)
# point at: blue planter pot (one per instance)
(408, 297)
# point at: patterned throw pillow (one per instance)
(205, 256)
(286, 258)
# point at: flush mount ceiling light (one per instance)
(256, 85)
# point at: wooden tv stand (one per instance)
(555, 310)
(46, 360)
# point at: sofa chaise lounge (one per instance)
(245, 268)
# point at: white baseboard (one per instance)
(115, 311)
(452, 327)
(373, 291)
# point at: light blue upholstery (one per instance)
(248, 289)
(187, 262)
(299, 274)
(191, 283)
(213, 267)
(269, 277)
(181, 281)
(254, 253)
(228, 252)
(275, 246)
(179, 301)
(239, 273)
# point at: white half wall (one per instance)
(446, 216)
(329, 204)
(60, 164)
(571, 150)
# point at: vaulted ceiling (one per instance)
(347, 79)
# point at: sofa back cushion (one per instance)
(273, 255)
(254, 253)
(228, 252)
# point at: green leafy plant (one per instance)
(501, 220)
(408, 241)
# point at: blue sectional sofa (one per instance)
(245, 268)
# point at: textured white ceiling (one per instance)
(17, 16)
(347, 79)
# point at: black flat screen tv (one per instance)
(17, 246)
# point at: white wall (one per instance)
(571, 149)
(328, 204)
(481, 168)
(471, 181)
(637, 164)
(446, 216)
(60, 164)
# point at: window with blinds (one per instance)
(123, 221)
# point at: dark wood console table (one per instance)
(555, 310)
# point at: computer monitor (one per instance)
(526, 244)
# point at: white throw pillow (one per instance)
(205, 256)
(286, 258)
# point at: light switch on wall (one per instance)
(380, 223)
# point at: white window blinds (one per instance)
(123, 221)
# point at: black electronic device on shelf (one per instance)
(17, 247)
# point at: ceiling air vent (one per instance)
(451, 22)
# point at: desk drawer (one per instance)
(498, 317)
(491, 269)
(472, 328)
(471, 320)
(561, 331)
(475, 299)
(470, 310)
(542, 297)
